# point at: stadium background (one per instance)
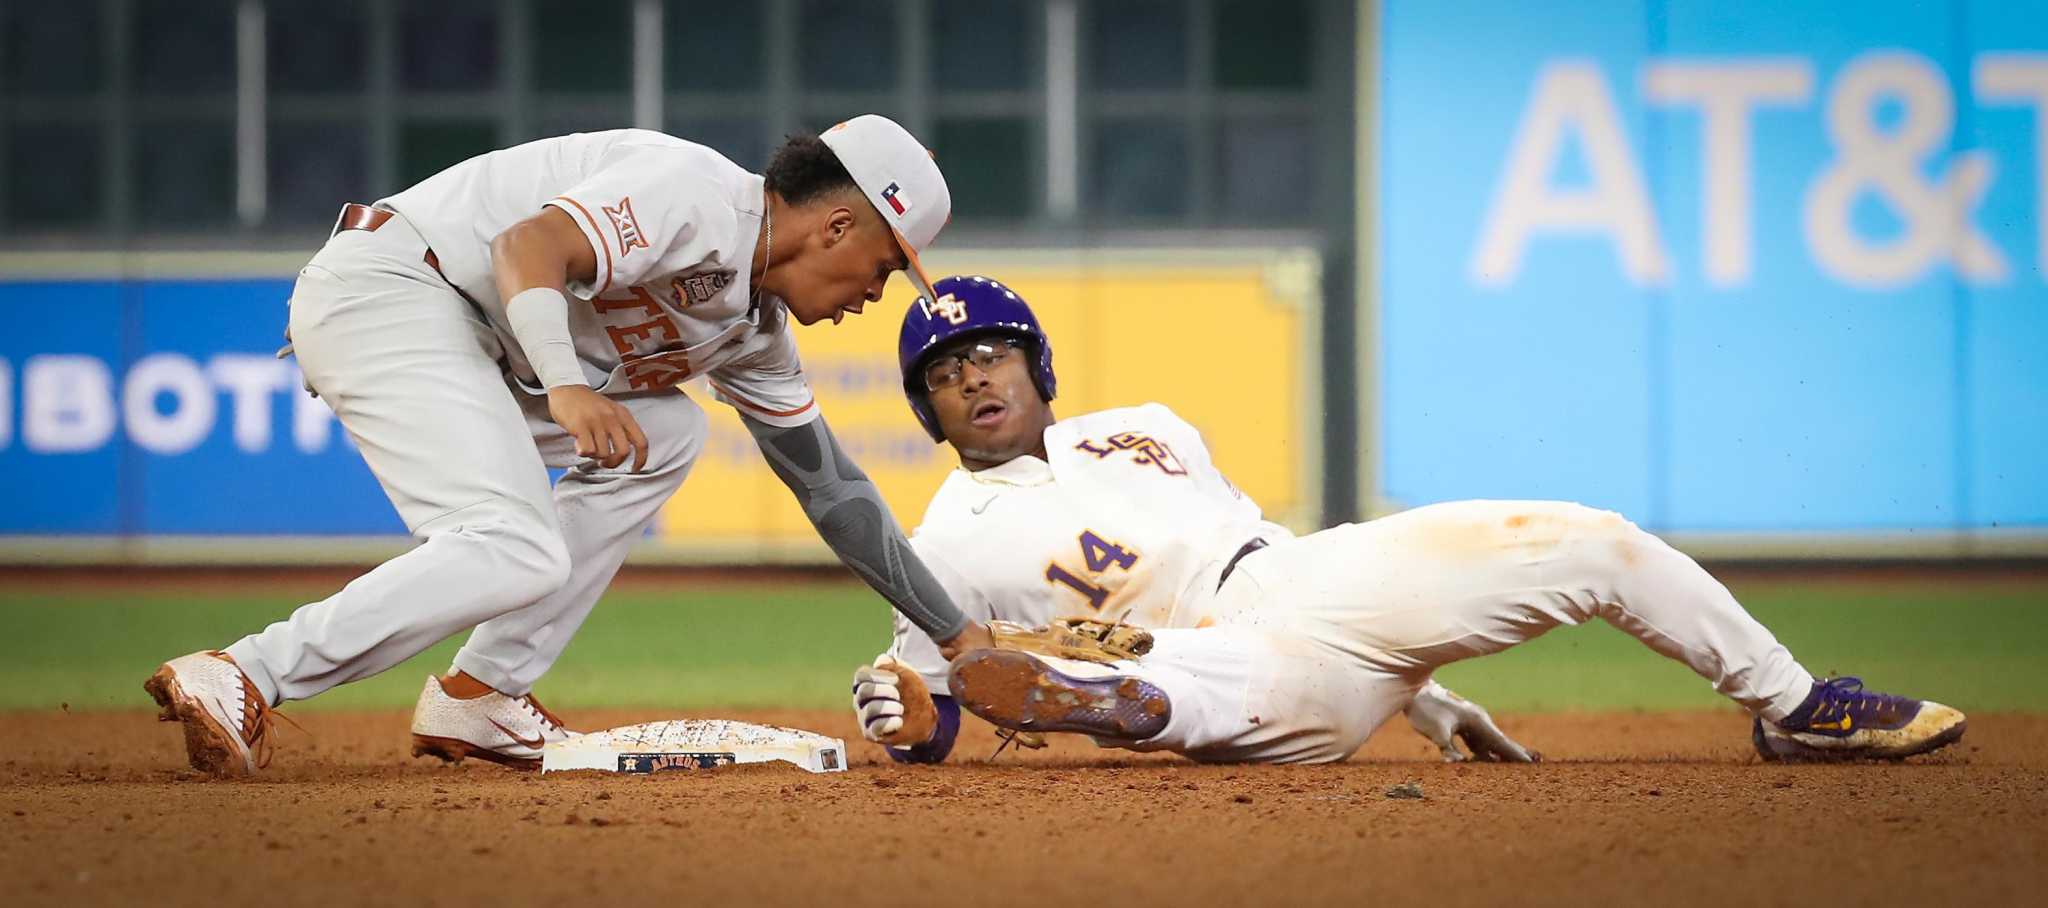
(1770, 282)
(1769, 277)
(1769, 288)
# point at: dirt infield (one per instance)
(1669, 808)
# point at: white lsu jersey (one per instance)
(673, 225)
(1126, 518)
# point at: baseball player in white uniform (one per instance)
(1271, 647)
(536, 307)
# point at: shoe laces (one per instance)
(256, 715)
(547, 718)
(1025, 739)
(256, 724)
(1846, 696)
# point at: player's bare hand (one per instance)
(893, 704)
(1446, 718)
(976, 636)
(605, 431)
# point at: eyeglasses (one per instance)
(944, 372)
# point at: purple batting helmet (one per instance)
(967, 306)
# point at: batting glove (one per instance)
(1446, 718)
(892, 704)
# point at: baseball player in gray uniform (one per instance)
(536, 307)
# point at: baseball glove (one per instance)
(1085, 639)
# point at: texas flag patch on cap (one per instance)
(894, 196)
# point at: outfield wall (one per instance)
(1757, 273)
(145, 419)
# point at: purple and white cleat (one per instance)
(1028, 692)
(1840, 720)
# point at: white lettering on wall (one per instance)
(2023, 79)
(1570, 99)
(1726, 93)
(250, 379)
(1936, 213)
(1902, 163)
(192, 403)
(67, 403)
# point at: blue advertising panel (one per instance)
(1733, 267)
(63, 347)
(159, 407)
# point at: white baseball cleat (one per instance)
(510, 731)
(227, 722)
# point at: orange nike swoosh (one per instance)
(1842, 724)
(536, 742)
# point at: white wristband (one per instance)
(540, 322)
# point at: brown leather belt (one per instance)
(357, 216)
(1231, 565)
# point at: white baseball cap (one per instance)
(900, 179)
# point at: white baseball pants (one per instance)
(1319, 639)
(411, 371)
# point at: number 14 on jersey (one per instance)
(1099, 555)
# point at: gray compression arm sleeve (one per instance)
(850, 515)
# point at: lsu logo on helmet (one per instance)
(951, 308)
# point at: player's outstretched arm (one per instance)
(851, 517)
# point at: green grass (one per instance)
(792, 645)
(1978, 646)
